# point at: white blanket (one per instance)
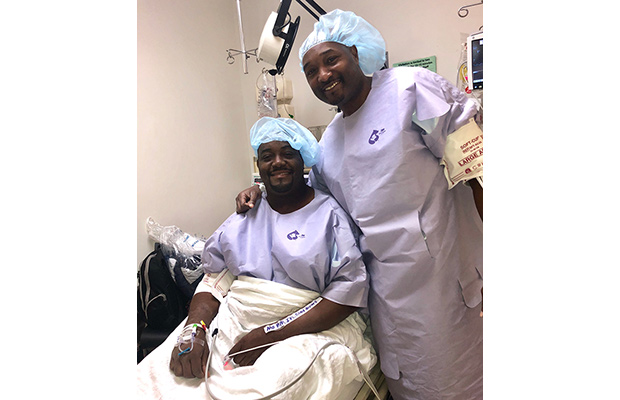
(252, 303)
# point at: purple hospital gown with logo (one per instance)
(422, 243)
(313, 248)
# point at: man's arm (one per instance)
(325, 315)
(477, 189)
(203, 307)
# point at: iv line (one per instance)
(359, 366)
(229, 356)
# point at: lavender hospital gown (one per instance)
(422, 243)
(313, 248)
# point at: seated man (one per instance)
(299, 280)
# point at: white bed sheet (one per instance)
(255, 302)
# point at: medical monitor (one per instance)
(474, 61)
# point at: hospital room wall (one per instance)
(195, 110)
(192, 139)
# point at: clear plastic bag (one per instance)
(182, 251)
(267, 101)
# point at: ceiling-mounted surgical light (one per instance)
(276, 41)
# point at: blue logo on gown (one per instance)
(374, 136)
(295, 235)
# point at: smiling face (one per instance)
(333, 73)
(281, 167)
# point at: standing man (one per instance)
(422, 242)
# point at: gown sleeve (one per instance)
(212, 255)
(348, 280)
(440, 108)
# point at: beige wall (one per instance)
(192, 143)
(195, 110)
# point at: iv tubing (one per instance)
(253, 348)
(326, 345)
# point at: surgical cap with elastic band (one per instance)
(346, 28)
(269, 129)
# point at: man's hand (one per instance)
(192, 364)
(247, 199)
(477, 189)
(255, 337)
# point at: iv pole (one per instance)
(246, 54)
(463, 11)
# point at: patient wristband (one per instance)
(261, 186)
(462, 159)
(203, 326)
(218, 284)
(283, 322)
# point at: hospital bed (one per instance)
(378, 379)
(156, 381)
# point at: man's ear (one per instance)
(353, 50)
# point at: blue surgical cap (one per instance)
(269, 129)
(346, 28)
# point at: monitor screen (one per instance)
(474, 61)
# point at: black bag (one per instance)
(183, 267)
(161, 304)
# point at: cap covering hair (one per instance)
(346, 28)
(269, 129)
